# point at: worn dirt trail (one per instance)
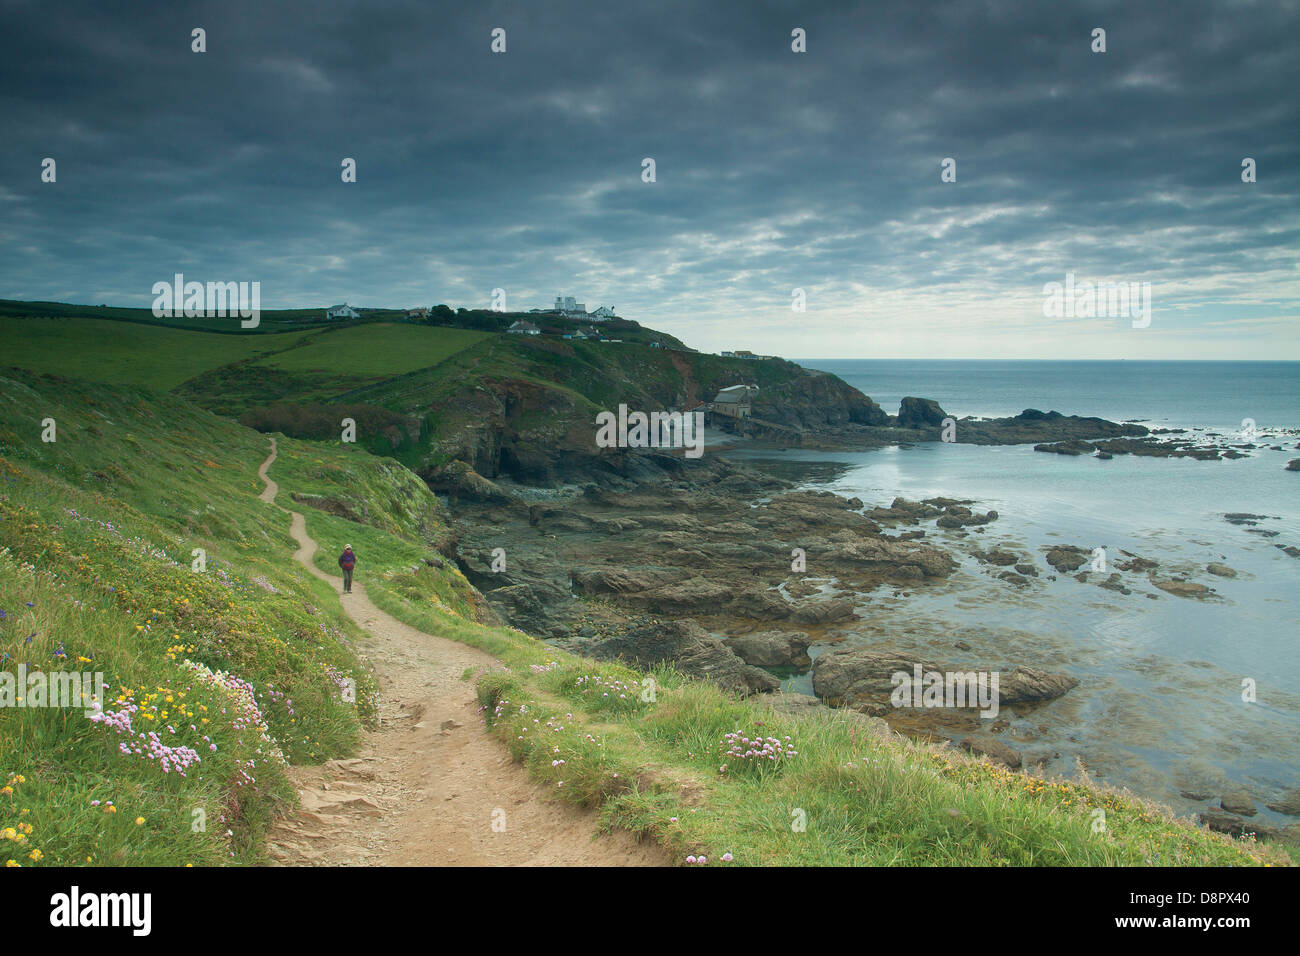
(424, 787)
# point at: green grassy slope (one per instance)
(227, 372)
(405, 383)
(98, 531)
(125, 353)
(375, 350)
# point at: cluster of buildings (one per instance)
(745, 354)
(524, 327)
(567, 307)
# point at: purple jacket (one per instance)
(347, 560)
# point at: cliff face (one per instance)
(525, 407)
(813, 401)
(513, 427)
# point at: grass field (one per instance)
(125, 353)
(377, 350)
(149, 356)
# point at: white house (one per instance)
(523, 327)
(603, 314)
(566, 304)
(343, 311)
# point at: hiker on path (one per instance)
(347, 561)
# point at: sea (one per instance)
(1181, 699)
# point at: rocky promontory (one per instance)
(864, 679)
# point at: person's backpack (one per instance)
(347, 560)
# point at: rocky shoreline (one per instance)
(731, 575)
(734, 575)
(613, 565)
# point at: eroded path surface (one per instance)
(425, 784)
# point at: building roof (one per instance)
(734, 394)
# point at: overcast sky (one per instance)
(775, 170)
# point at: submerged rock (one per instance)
(1066, 558)
(1000, 558)
(1238, 802)
(1135, 563)
(1288, 803)
(1115, 583)
(1182, 588)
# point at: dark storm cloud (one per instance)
(775, 170)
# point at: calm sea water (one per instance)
(1160, 707)
(1206, 393)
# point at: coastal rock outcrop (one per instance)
(459, 480)
(1032, 426)
(772, 648)
(1238, 802)
(830, 611)
(692, 649)
(920, 412)
(855, 676)
(1075, 446)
